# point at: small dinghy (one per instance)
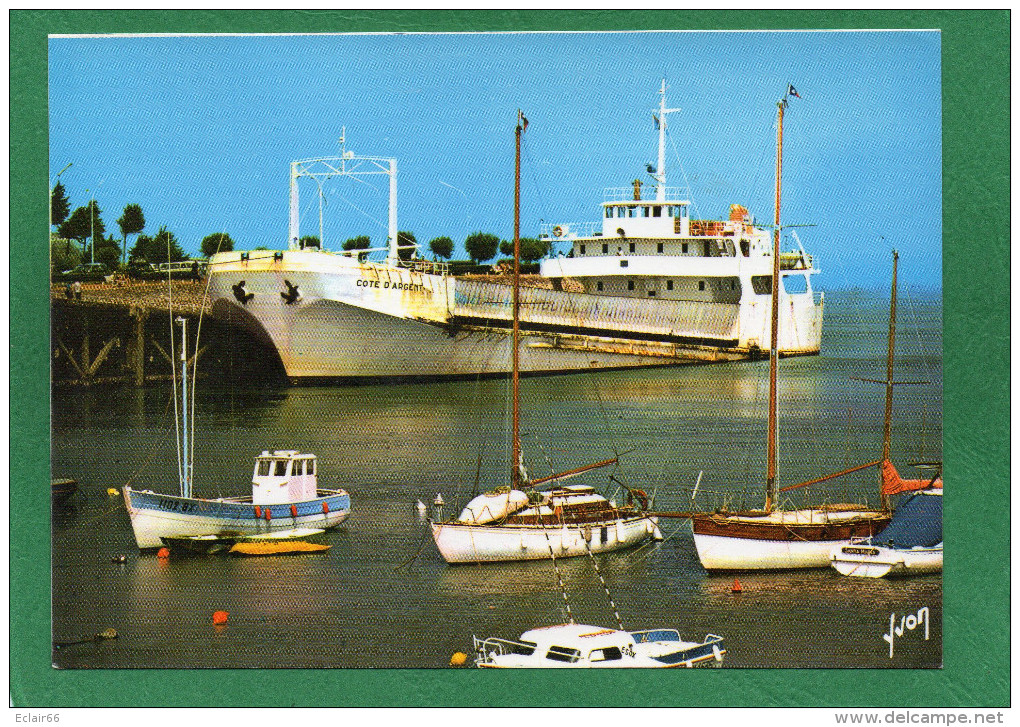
(580, 646)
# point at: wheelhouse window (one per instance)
(311, 467)
(265, 467)
(563, 653)
(281, 468)
(644, 211)
(632, 211)
(609, 211)
(658, 247)
(657, 210)
(631, 247)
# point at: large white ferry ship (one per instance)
(658, 288)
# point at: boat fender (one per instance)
(558, 231)
(258, 512)
(641, 496)
(293, 510)
(325, 508)
(269, 514)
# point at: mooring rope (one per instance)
(556, 567)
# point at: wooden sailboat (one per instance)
(772, 538)
(523, 522)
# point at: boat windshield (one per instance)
(265, 467)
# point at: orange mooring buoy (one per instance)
(162, 553)
(220, 617)
(737, 588)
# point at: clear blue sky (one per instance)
(200, 132)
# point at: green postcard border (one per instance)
(975, 67)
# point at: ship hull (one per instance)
(782, 541)
(155, 516)
(359, 321)
(463, 543)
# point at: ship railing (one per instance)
(432, 267)
(795, 261)
(569, 230)
(676, 195)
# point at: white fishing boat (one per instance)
(284, 486)
(658, 288)
(524, 521)
(912, 542)
(774, 538)
(579, 646)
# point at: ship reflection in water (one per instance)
(392, 445)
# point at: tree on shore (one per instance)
(216, 242)
(531, 249)
(361, 242)
(481, 246)
(310, 241)
(154, 249)
(60, 206)
(108, 252)
(131, 222)
(442, 247)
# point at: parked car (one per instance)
(85, 273)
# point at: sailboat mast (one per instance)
(887, 431)
(772, 473)
(186, 467)
(516, 461)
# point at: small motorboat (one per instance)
(281, 542)
(581, 646)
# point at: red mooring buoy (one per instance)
(220, 617)
(737, 588)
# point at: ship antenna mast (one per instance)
(660, 171)
(518, 478)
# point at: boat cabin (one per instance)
(283, 477)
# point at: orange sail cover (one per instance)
(893, 484)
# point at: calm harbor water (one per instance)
(382, 597)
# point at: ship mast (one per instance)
(889, 383)
(517, 475)
(660, 170)
(773, 468)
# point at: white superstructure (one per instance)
(648, 247)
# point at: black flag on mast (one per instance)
(792, 91)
